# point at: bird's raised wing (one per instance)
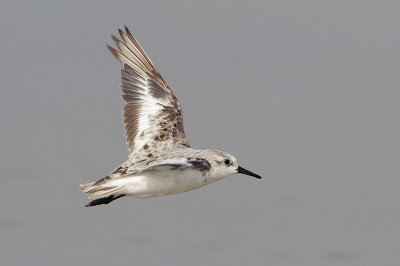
(152, 115)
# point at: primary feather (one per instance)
(152, 115)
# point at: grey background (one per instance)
(305, 93)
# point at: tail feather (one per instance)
(85, 187)
(102, 193)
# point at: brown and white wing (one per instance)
(152, 115)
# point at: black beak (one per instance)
(241, 170)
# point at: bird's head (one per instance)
(225, 164)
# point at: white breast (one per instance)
(152, 184)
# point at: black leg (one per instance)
(103, 200)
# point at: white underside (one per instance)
(161, 183)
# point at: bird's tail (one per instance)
(101, 193)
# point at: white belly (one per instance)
(161, 183)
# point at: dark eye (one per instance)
(227, 162)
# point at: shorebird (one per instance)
(161, 161)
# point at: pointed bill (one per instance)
(241, 170)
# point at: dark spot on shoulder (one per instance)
(146, 146)
(201, 164)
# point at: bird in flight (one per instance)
(161, 161)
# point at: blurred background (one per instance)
(305, 93)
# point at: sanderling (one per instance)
(161, 161)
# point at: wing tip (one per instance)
(113, 51)
(115, 39)
(128, 32)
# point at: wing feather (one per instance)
(152, 115)
(182, 164)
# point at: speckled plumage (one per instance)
(161, 161)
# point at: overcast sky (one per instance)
(304, 93)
